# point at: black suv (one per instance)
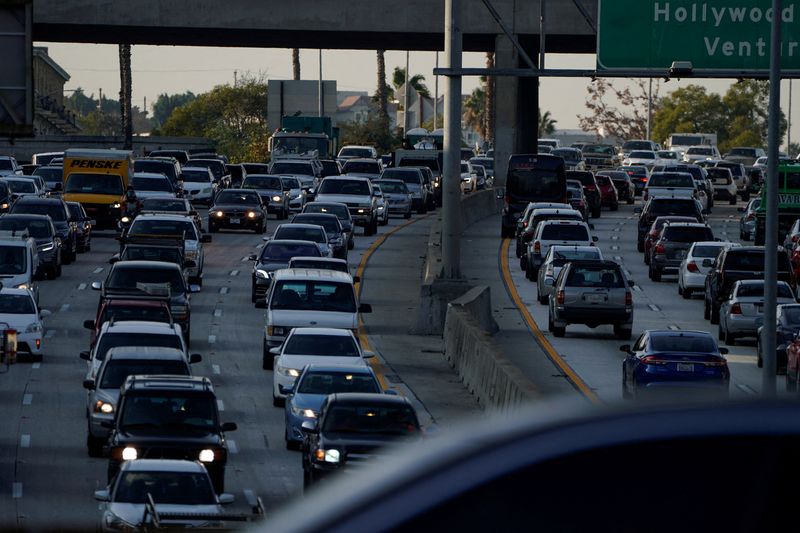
(734, 264)
(590, 189)
(58, 211)
(659, 207)
(237, 209)
(351, 428)
(169, 417)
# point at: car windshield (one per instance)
(683, 343)
(195, 176)
(12, 260)
(292, 168)
(325, 383)
(700, 150)
(314, 294)
(116, 339)
(159, 167)
(596, 277)
(339, 186)
(167, 254)
(753, 260)
(322, 345)
(603, 180)
(38, 229)
(21, 186)
(791, 314)
(17, 304)
(117, 370)
(687, 234)
(488, 164)
(674, 207)
(217, 167)
(757, 290)
(562, 257)
(381, 419)
(330, 223)
(564, 232)
(281, 252)
(329, 168)
(720, 176)
(704, 251)
(355, 152)
(110, 184)
(75, 210)
(175, 488)
(365, 167)
(299, 233)
(54, 210)
(642, 155)
(122, 313)
(598, 150)
(393, 187)
(238, 198)
(151, 184)
(49, 174)
(671, 180)
(636, 145)
(291, 183)
(126, 277)
(258, 182)
(568, 154)
(173, 410)
(406, 176)
(750, 152)
(338, 210)
(147, 226)
(164, 204)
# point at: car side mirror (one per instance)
(111, 260)
(365, 308)
(88, 324)
(708, 263)
(228, 426)
(261, 303)
(637, 210)
(189, 263)
(625, 348)
(549, 282)
(88, 384)
(102, 496)
(253, 257)
(724, 351)
(356, 279)
(369, 355)
(275, 351)
(594, 238)
(58, 186)
(286, 390)
(44, 313)
(308, 426)
(205, 238)
(226, 498)
(85, 355)
(194, 288)
(500, 193)
(195, 358)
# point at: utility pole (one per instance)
(406, 98)
(789, 120)
(126, 87)
(768, 387)
(649, 108)
(451, 182)
(235, 78)
(321, 93)
(436, 98)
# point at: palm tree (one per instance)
(488, 133)
(475, 110)
(296, 63)
(547, 125)
(125, 88)
(382, 94)
(416, 81)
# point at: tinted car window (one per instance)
(17, 304)
(38, 229)
(706, 251)
(54, 210)
(174, 410)
(118, 370)
(12, 260)
(325, 345)
(791, 315)
(120, 313)
(164, 204)
(238, 198)
(682, 343)
(113, 340)
(670, 180)
(294, 232)
(338, 210)
(128, 277)
(173, 488)
(683, 234)
(319, 295)
(752, 260)
(394, 420)
(292, 168)
(143, 226)
(334, 186)
(195, 176)
(673, 207)
(331, 224)
(281, 252)
(362, 166)
(559, 232)
(152, 184)
(257, 182)
(94, 184)
(757, 289)
(598, 277)
(336, 382)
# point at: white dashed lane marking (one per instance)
(16, 490)
(217, 313)
(82, 287)
(654, 307)
(25, 441)
(232, 447)
(36, 366)
(98, 270)
(27, 399)
(234, 272)
(64, 308)
(220, 405)
(215, 369)
(224, 290)
(50, 334)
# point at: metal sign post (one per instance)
(451, 182)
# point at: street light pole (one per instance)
(768, 387)
(451, 178)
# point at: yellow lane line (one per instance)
(375, 363)
(572, 376)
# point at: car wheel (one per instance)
(640, 246)
(518, 250)
(267, 359)
(622, 333)
(350, 243)
(730, 338)
(687, 294)
(278, 402)
(523, 262)
(530, 273)
(543, 299)
(746, 197)
(549, 323)
(615, 206)
(759, 360)
(720, 333)
(559, 331)
(94, 445)
(732, 201)
(596, 212)
(626, 394)
(630, 200)
(706, 310)
(505, 233)
(253, 294)
(646, 258)
(656, 274)
(58, 270)
(791, 381)
(407, 214)
(714, 315)
(218, 481)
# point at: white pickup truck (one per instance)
(673, 185)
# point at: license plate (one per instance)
(235, 221)
(594, 298)
(680, 254)
(685, 367)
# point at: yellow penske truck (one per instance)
(98, 180)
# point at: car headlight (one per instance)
(191, 254)
(262, 274)
(329, 456)
(276, 198)
(4, 205)
(307, 413)
(36, 327)
(286, 371)
(219, 214)
(251, 214)
(361, 211)
(116, 205)
(115, 523)
(125, 220)
(298, 197)
(129, 453)
(21, 286)
(436, 184)
(47, 247)
(276, 330)
(104, 407)
(206, 456)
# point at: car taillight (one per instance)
(660, 249)
(525, 224)
(736, 309)
(628, 298)
(537, 247)
(652, 360)
(751, 216)
(644, 196)
(691, 266)
(716, 362)
(560, 297)
(795, 238)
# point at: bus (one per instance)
(788, 202)
(531, 178)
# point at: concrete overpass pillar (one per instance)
(516, 107)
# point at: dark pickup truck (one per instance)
(734, 264)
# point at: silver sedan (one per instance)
(558, 256)
(743, 313)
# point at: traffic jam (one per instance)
(155, 420)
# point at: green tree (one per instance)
(165, 104)
(690, 109)
(747, 105)
(793, 149)
(80, 103)
(547, 125)
(475, 111)
(374, 132)
(417, 81)
(235, 118)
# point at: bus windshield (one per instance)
(537, 180)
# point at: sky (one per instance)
(177, 69)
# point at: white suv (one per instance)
(550, 232)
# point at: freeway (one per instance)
(593, 354)
(43, 454)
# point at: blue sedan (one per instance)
(667, 359)
(311, 388)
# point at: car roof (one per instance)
(332, 260)
(150, 175)
(350, 369)
(300, 225)
(325, 204)
(312, 215)
(163, 465)
(200, 169)
(555, 211)
(685, 225)
(562, 222)
(337, 332)
(367, 397)
(312, 274)
(361, 160)
(38, 200)
(139, 326)
(289, 241)
(28, 216)
(678, 333)
(162, 265)
(169, 382)
(175, 217)
(576, 247)
(18, 292)
(145, 353)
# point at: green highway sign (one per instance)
(713, 35)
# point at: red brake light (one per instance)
(560, 297)
(751, 216)
(795, 238)
(736, 309)
(628, 298)
(660, 249)
(691, 266)
(525, 224)
(652, 360)
(537, 247)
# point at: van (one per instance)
(300, 298)
(98, 180)
(19, 260)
